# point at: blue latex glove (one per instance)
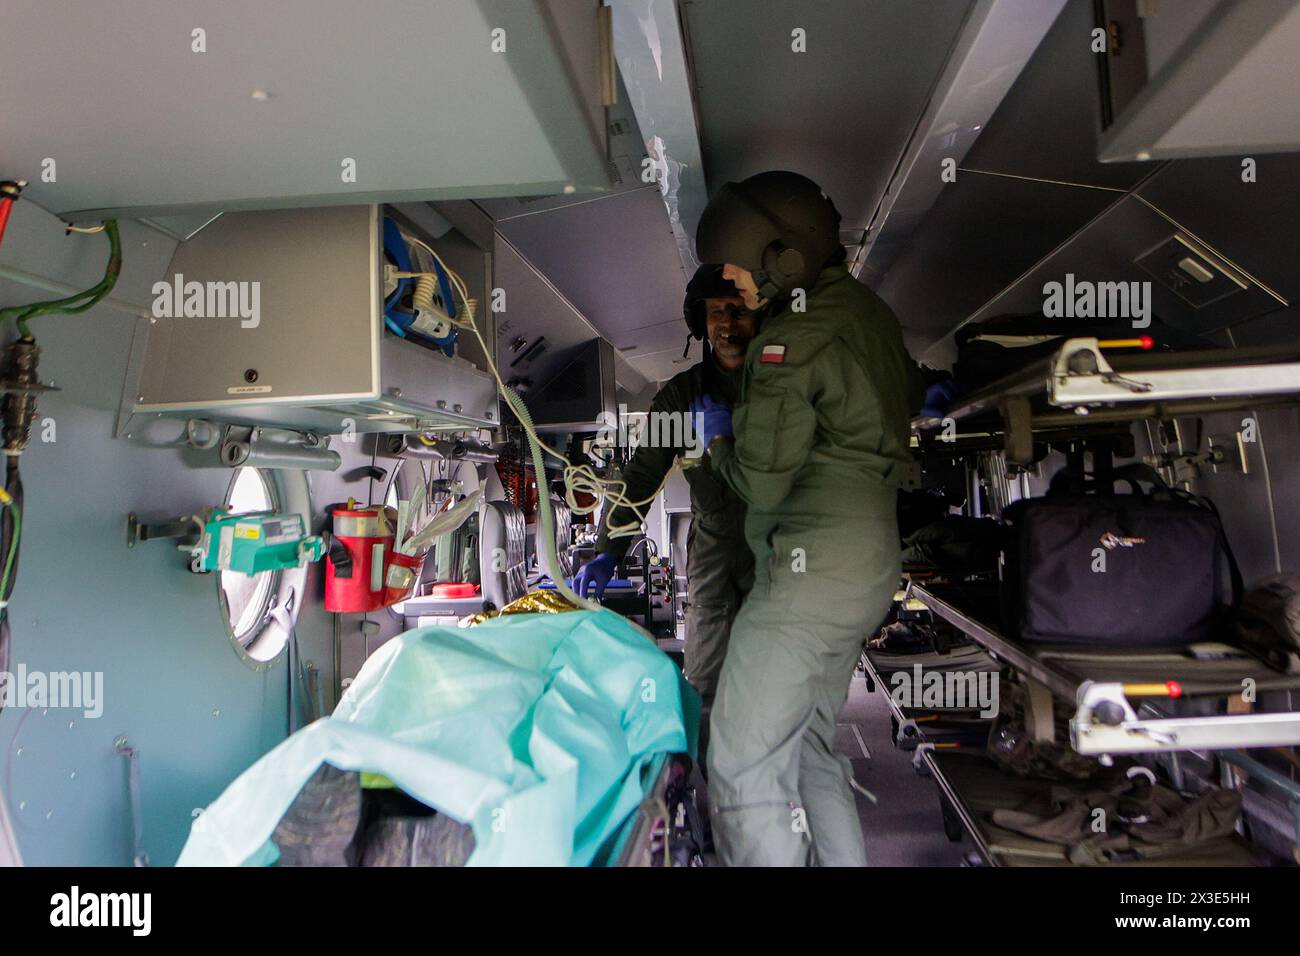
(939, 397)
(594, 575)
(711, 418)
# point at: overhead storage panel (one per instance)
(178, 106)
(277, 318)
(641, 312)
(833, 90)
(1221, 85)
(539, 331)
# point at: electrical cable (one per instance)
(535, 445)
(10, 191)
(11, 496)
(578, 479)
(422, 296)
(72, 304)
(11, 501)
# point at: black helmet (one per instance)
(707, 283)
(778, 225)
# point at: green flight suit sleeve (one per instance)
(642, 476)
(775, 426)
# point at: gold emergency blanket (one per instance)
(534, 602)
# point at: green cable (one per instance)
(13, 552)
(65, 306)
(96, 292)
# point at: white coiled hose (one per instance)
(536, 447)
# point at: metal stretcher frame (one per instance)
(901, 720)
(1080, 386)
(1082, 374)
(1286, 788)
(1125, 732)
(925, 754)
(1011, 653)
(1093, 730)
(632, 846)
(1172, 377)
(879, 680)
(909, 733)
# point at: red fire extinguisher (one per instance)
(360, 550)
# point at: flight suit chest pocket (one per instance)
(759, 424)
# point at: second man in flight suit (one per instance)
(720, 567)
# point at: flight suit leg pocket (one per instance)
(788, 565)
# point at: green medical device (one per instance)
(251, 543)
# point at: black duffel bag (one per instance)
(1084, 565)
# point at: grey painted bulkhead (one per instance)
(173, 683)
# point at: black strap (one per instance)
(338, 554)
(1234, 569)
(1068, 481)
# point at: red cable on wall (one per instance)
(9, 193)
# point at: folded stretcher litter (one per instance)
(536, 730)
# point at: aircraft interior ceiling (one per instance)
(1030, 190)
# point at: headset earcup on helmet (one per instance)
(791, 264)
(783, 267)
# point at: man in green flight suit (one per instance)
(819, 451)
(719, 568)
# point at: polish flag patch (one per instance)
(772, 354)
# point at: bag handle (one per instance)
(1068, 481)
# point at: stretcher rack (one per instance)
(946, 727)
(1084, 385)
(1083, 398)
(666, 829)
(951, 747)
(1269, 780)
(1100, 686)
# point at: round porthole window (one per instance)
(247, 600)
